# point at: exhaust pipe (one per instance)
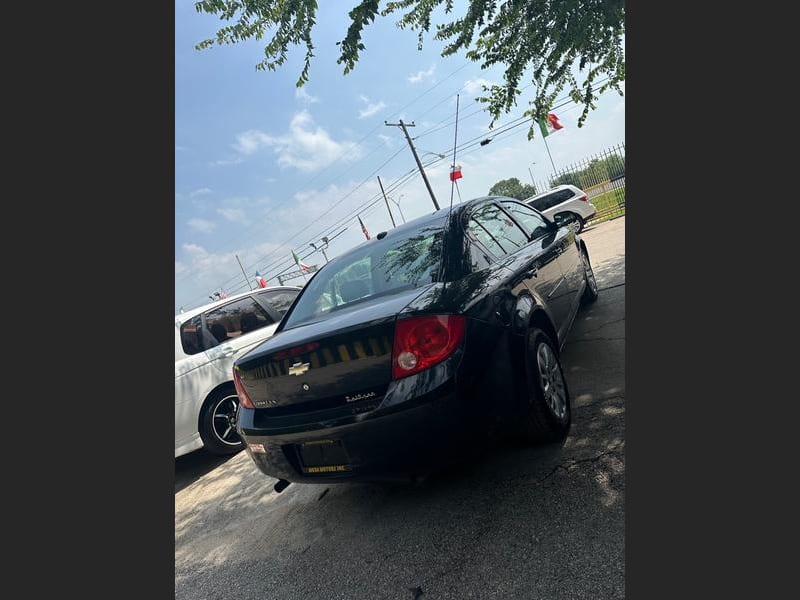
(281, 485)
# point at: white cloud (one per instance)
(194, 249)
(201, 225)
(251, 141)
(226, 161)
(371, 108)
(386, 139)
(422, 75)
(244, 209)
(475, 86)
(303, 96)
(235, 215)
(200, 192)
(306, 146)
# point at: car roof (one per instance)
(181, 318)
(428, 218)
(550, 191)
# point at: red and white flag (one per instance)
(260, 281)
(549, 125)
(363, 229)
(455, 172)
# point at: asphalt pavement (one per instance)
(545, 522)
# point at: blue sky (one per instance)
(257, 163)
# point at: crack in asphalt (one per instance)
(603, 325)
(574, 463)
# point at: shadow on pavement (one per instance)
(191, 467)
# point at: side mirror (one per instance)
(564, 218)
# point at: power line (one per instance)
(347, 151)
(397, 184)
(364, 209)
(426, 132)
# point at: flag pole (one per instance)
(455, 143)
(243, 273)
(544, 139)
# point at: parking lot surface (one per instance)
(545, 522)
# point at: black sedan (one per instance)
(414, 345)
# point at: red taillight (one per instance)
(244, 399)
(421, 342)
(585, 198)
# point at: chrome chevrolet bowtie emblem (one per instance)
(298, 368)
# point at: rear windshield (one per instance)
(379, 268)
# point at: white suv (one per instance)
(207, 341)
(564, 199)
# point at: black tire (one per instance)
(216, 440)
(590, 292)
(579, 220)
(541, 422)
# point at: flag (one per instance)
(550, 124)
(303, 266)
(455, 172)
(364, 229)
(260, 281)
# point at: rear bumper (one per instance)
(589, 210)
(396, 444)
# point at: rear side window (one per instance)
(529, 218)
(565, 195)
(552, 199)
(495, 230)
(541, 203)
(235, 319)
(280, 300)
(191, 336)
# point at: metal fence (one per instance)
(602, 177)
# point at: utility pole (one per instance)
(387, 202)
(531, 172)
(243, 273)
(403, 126)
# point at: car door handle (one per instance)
(227, 350)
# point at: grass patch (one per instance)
(609, 205)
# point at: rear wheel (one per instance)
(218, 422)
(590, 291)
(579, 220)
(548, 415)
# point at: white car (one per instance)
(207, 341)
(564, 199)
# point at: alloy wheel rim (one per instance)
(555, 393)
(224, 420)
